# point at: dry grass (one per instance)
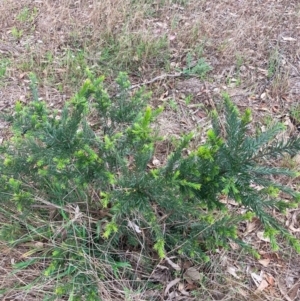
(58, 39)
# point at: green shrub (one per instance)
(90, 167)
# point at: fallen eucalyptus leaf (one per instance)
(171, 284)
(232, 271)
(174, 265)
(192, 274)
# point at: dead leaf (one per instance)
(39, 244)
(260, 235)
(181, 288)
(77, 213)
(264, 262)
(242, 292)
(232, 271)
(257, 278)
(290, 39)
(264, 71)
(294, 221)
(173, 296)
(267, 255)
(155, 162)
(164, 95)
(171, 284)
(263, 285)
(191, 286)
(293, 292)
(174, 265)
(289, 281)
(283, 290)
(263, 95)
(134, 226)
(251, 226)
(22, 98)
(272, 291)
(172, 37)
(162, 267)
(224, 260)
(191, 274)
(234, 246)
(270, 279)
(186, 264)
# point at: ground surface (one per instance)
(253, 48)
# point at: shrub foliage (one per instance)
(82, 179)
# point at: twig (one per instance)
(160, 77)
(212, 103)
